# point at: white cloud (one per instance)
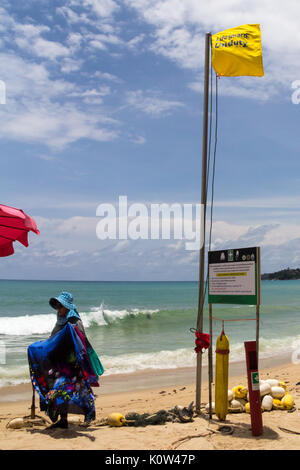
(75, 40)
(95, 43)
(47, 49)
(136, 41)
(62, 253)
(151, 103)
(102, 41)
(140, 140)
(46, 157)
(102, 8)
(179, 29)
(281, 234)
(121, 245)
(37, 110)
(92, 96)
(106, 76)
(71, 16)
(69, 65)
(180, 45)
(28, 37)
(71, 243)
(54, 125)
(276, 202)
(30, 30)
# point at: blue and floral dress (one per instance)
(63, 370)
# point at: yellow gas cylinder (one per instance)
(221, 382)
(116, 420)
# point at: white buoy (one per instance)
(267, 403)
(273, 382)
(212, 407)
(265, 389)
(236, 405)
(277, 392)
(16, 423)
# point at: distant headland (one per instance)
(283, 275)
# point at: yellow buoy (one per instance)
(277, 404)
(221, 383)
(287, 401)
(247, 407)
(239, 391)
(116, 420)
(282, 384)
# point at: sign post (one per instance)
(253, 388)
(234, 277)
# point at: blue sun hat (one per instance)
(65, 299)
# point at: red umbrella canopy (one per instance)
(14, 226)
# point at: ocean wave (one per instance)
(28, 325)
(164, 359)
(135, 362)
(100, 316)
(186, 357)
(14, 375)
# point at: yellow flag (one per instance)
(238, 51)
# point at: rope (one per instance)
(210, 126)
(234, 319)
(289, 431)
(213, 179)
(214, 162)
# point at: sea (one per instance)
(140, 326)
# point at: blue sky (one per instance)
(104, 98)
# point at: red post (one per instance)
(253, 387)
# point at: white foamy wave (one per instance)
(14, 375)
(271, 347)
(128, 363)
(28, 325)
(268, 347)
(111, 316)
(165, 359)
(102, 316)
(186, 357)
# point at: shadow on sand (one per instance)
(243, 430)
(72, 432)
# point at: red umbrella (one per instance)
(14, 226)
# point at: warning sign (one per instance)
(233, 276)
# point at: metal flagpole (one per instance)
(203, 214)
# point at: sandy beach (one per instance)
(149, 393)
